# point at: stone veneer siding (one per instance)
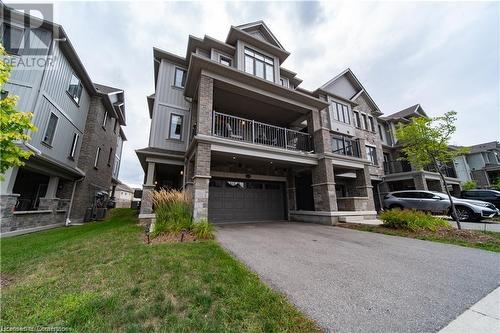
(95, 179)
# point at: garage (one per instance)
(233, 200)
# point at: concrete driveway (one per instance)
(354, 281)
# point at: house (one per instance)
(73, 140)
(482, 164)
(124, 196)
(400, 174)
(231, 125)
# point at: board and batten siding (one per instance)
(24, 82)
(168, 100)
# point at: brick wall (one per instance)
(96, 179)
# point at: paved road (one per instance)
(354, 281)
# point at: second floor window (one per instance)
(75, 88)
(380, 132)
(110, 156)
(96, 160)
(225, 61)
(180, 77)
(340, 112)
(50, 130)
(259, 65)
(176, 127)
(365, 121)
(371, 154)
(372, 124)
(74, 144)
(105, 120)
(357, 121)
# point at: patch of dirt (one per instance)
(180, 237)
(5, 281)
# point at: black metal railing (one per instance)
(247, 130)
(396, 166)
(345, 146)
(447, 170)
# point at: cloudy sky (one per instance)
(443, 55)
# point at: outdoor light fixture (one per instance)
(182, 172)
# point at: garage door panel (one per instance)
(238, 201)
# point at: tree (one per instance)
(13, 124)
(496, 184)
(469, 185)
(426, 142)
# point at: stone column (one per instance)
(205, 105)
(291, 191)
(7, 206)
(323, 184)
(419, 180)
(7, 185)
(201, 181)
(364, 186)
(147, 190)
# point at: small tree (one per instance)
(13, 124)
(496, 185)
(469, 185)
(425, 142)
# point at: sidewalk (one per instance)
(484, 317)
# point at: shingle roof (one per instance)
(409, 111)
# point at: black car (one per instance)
(492, 196)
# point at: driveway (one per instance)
(355, 281)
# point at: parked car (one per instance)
(438, 203)
(491, 196)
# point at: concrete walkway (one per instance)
(484, 317)
(355, 281)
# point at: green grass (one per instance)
(467, 238)
(101, 277)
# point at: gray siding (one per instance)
(169, 100)
(342, 87)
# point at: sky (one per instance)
(443, 55)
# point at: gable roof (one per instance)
(349, 75)
(414, 110)
(261, 27)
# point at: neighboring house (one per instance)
(123, 196)
(65, 103)
(482, 164)
(230, 125)
(400, 174)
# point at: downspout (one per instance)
(68, 221)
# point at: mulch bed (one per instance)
(470, 236)
(171, 238)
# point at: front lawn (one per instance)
(485, 240)
(101, 277)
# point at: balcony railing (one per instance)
(396, 166)
(447, 170)
(246, 130)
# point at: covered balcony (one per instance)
(343, 145)
(256, 132)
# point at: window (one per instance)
(50, 130)
(225, 61)
(75, 88)
(381, 135)
(74, 144)
(343, 145)
(365, 121)
(116, 125)
(110, 156)
(259, 65)
(176, 127)
(3, 94)
(12, 38)
(371, 153)
(96, 160)
(340, 112)
(180, 77)
(372, 124)
(284, 82)
(357, 121)
(105, 120)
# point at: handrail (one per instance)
(252, 131)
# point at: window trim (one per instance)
(357, 119)
(110, 156)
(364, 119)
(183, 81)
(264, 62)
(375, 155)
(10, 25)
(81, 90)
(96, 159)
(105, 120)
(74, 144)
(228, 59)
(170, 127)
(341, 110)
(47, 127)
(371, 122)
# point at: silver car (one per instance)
(438, 203)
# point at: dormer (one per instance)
(258, 51)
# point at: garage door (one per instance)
(241, 201)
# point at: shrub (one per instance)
(173, 211)
(469, 185)
(412, 220)
(203, 229)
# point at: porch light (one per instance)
(182, 172)
(234, 157)
(243, 122)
